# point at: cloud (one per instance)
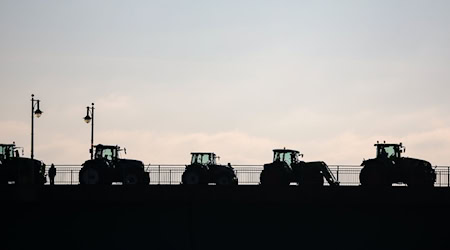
(432, 145)
(16, 131)
(115, 102)
(63, 149)
(151, 147)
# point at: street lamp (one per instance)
(90, 116)
(38, 112)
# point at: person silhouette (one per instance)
(277, 157)
(52, 174)
(383, 153)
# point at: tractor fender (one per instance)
(95, 163)
(224, 170)
(374, 172)
(375, 161)
(419, 172)
(131, 163)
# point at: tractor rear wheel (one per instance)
(274, 177)
(192, 177)
(90, 176)
(373, 176)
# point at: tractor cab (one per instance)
(286, 155)
(204, 158)
(107, 152)
(8, 151)
(389, 151)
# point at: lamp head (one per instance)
(87, 119)
(38, 113)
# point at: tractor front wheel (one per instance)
(419, 180)
(226, 180)
(130, 179)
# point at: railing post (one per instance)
(170, 177)
(448, 176)
(71, 172)
(337, 173)
(159, 174)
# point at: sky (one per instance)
(239, 78)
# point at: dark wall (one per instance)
(243, 217)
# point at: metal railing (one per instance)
(170, 174)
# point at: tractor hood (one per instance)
(425, 163)
(132, 162)
(29, 161)
(412, 161)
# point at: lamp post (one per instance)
(90, 116)
(37, 113)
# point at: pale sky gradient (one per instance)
(240, 78)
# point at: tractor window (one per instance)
(283, 156)
(206, 159)
(2, 152)
(212, 159)
(294, 157)
(288, 158)
(201, 159)
(387, 152)
(194, 159)
(277, 157)
(107, 153)
(6, 152)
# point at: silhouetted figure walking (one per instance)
(52, 174)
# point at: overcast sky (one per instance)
(328, 78)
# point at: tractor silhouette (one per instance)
(390, 167)
(204, 170)
(287, 168)
(19, 170)
(107, 167)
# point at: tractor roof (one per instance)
(199, 153)
(10, 145)
(285, 150)
(106, 146)
(388, 144)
